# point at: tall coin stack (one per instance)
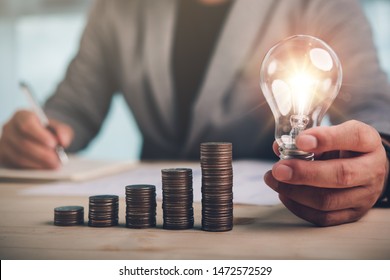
(140, 206)
(103, 210)
(217, 186)
(178, 212)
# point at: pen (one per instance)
(43, 119)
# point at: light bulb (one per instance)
(300, 77)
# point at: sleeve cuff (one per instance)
(384, 200)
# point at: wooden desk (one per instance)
(27, 232)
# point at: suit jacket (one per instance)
(126, 48)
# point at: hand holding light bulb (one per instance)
(350, 168)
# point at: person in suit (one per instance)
(189, 71)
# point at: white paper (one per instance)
(77, 169)
(248, 183)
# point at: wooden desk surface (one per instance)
(260, 232)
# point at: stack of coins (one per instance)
(217, 186)
(140, 206)
(103, 210)
(178, 212)
(68, 215)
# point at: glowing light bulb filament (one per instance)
(298, 123)
(303, 88)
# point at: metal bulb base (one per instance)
(295, 154)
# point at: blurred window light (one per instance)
(378, 12)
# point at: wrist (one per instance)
(384, 199)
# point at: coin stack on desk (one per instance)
(177, 192)
(68, 215)
(103, 210)
(217, 186)
(140, 206)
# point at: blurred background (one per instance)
(38, 38)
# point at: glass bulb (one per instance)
(300, 77)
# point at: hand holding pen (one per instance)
(30, 140)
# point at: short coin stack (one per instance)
(140, 206)
(68, 215)
(178, 212)
(217, 186)
(103, 210)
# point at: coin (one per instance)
(140, 206)
(178, 212)
(217, 186)
(68, 215)
(103, 210)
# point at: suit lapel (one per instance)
(159, 31)
(236, 41)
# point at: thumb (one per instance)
(63, 131)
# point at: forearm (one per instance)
(83, 98)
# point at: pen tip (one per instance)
(22, 84)
(62, 155)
